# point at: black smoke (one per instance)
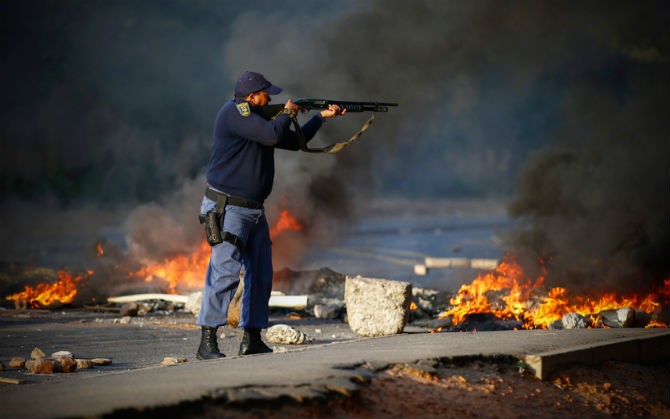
(571, 98)
(110, 104)
(596, 205)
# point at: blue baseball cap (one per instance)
(250, 82)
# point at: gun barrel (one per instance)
(350, 106)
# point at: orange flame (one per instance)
(181, 271)
(45, 294)
(508, 294)
(286, 221)
(187, 271)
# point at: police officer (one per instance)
(240, 175)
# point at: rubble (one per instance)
(328, 311)
(58, 362)
(37, 353)
(40, 366)
(623, 317)
(17, 362)
(431, 301)
(65, 364)
(84, 364)
(574, 321)
(377, 307)
(170, 360)
(283, 334)
(129, 309)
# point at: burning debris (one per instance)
(501, 299)
(46, 295)
(516, 301)
(118, 273)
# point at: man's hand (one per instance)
(333, 111)
(292, 106)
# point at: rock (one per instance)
(129, 309)
(327, 311)
(377, 307)
(17, 362)
(194, 303)
(170, 360)
(421, 270)
(64, 361)
(40, 366)
(84, 364)
(283, 334)
(144, 308)
(37, 353)
(623, 317)
(574, 321)
(431, 301)
(62, 354)
(65, 364)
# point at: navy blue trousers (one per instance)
(226, 263)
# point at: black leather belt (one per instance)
(231, 200)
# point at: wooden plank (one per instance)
(11, 380)
(286, 301)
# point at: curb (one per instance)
(641, 349)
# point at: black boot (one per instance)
(252, 343)
(208, 348)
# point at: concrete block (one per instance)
(377, 307)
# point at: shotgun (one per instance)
(348, 105)
(270, 111)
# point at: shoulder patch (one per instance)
(244, 109)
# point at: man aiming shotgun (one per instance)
(240, 175)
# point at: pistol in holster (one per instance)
(212, 221)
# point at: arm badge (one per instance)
(243, 108)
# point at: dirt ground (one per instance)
(484, 389)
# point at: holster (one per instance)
(213, 222)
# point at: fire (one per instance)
(286, 221)
(510, 295)
(181, 271)
(99, 250)
(187, 271)
(45, 294)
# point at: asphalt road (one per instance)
(332, 359)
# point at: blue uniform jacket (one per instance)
(242, 153)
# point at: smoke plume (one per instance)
(571, 99)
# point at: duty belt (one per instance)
(220, 197)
